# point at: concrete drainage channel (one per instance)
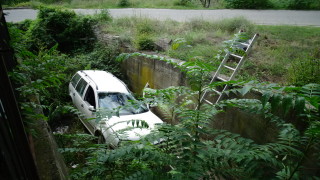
(160, 75)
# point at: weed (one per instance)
(145, 27)
(305, 71)
(144, 42)
(235, 24)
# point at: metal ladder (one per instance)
(246, 47)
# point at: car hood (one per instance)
(126, 131)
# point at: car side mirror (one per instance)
(91, 108)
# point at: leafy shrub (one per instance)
(247, 4)
(145, 27)
(182, 2)
(305, 71)
(144, 42)
(63, 27)
(102, 58)
(124, 3)
(45, 74)
(299, 4)
(11, 2)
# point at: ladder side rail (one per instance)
(222, 94)
(238, 65)
(226, 57)
(253, 40)
(243, 58)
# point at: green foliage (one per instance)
(305, 71)
(63, 27)
(144, 42)
(42, 76)
(75, 148)
(178, 43)
(226, 154)
(182, 2)
(235, 24)
(103, 16)
(245, 4)
(191, 149)
(144, 39)
(124, 3)
(101, 58)
(302, 4)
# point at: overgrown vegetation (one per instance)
(278, 49)
(194, 148)
(44, 69)
(174, 4)
(244, 4)
(62, 27)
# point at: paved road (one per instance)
(268, 17)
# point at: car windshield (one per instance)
(126, 102)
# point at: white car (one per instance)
(94, 92)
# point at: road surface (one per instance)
(266, 17)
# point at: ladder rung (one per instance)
(218, 92)
(233, 69)
(221, 79)
(208, 102)
(236, 56)
(245, 44)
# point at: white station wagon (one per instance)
(94, 92)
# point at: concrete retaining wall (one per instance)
(159, 74)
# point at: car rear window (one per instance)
(81, 86)
(75, 79)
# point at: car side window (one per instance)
(75, 79)
(82, 84)
(89, 96)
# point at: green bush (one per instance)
(247, 4)
(145, 27)
(305, 71)
(144, 42)
(63, 27)
(299, 4)
(295, 4)
(103, 16)
(124, 3)
(102, 58)
(182, 2)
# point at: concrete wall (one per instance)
(160, 75)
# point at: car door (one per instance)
(72, 86)
(80, 104)
(89, 106)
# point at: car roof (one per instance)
(104, 81)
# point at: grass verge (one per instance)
(272, 56)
